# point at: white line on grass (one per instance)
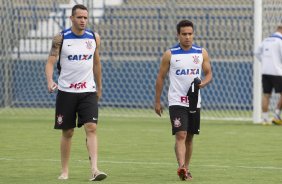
(149, 163)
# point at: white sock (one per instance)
(265, 116)
(277, 111)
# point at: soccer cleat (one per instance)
(98, 176)
(277, 121)
(182, 173)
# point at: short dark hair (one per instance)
(78, 6)
(184, 23)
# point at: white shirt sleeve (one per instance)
(281, 51)
(258, 52)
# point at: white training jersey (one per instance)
(269, 53)
(76, 62)
(185, 65)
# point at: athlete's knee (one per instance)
(181, 135)
(90, 127)
(68, 133)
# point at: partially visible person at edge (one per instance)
(184, 62)
(269, 52)
(79, 87)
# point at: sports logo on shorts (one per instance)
(176, 122)
(60, 119)
(89, 44)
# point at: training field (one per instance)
(139, 151)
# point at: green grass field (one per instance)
(139, 151)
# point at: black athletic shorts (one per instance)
(182, 120)
(72, 106)
(270, 82)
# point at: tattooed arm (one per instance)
(53, 55)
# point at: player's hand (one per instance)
(198, 82)
(202, 85)
(52, 87)
(158, 109)
(99, 94)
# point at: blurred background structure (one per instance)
(134, 35)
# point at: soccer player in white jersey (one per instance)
(79, 87)
(184, 62)
(269, 53)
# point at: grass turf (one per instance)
(139, 151)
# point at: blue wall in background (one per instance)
(132, 84)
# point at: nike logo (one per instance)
(69, 45)
(177, 60)
(95, 119)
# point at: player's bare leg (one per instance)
(188, 155)
(180, 150)
(65, 152)
(92, 147)
(92, 144)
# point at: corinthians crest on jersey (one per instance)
(89, 44)
(196, 59)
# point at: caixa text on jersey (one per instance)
(80, 57)
(187, 72)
